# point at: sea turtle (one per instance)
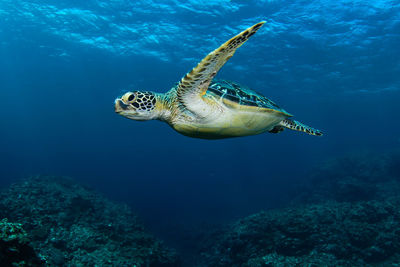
(202, 108)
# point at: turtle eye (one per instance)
(131, 97)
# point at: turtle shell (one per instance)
(242, 96)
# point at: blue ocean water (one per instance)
(335, 65)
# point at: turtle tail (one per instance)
(297, 126)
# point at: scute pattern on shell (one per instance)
(241, 95)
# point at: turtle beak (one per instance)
(120, 106)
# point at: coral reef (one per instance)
(329, 234)
(15, 249)
(69, 224)
(347, 215)
(354, 177)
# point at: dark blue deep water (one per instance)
(335, 65)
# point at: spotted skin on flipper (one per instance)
(195, 83)
(298, 126)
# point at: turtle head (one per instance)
(136, 105)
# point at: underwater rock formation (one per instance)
(15, 249)
(354, 177)
(331, 234)
(71, 225)
(348, 215)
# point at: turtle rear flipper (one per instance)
(277, 129)
(296, 126)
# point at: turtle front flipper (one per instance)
(195, 83)
(296, 126)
